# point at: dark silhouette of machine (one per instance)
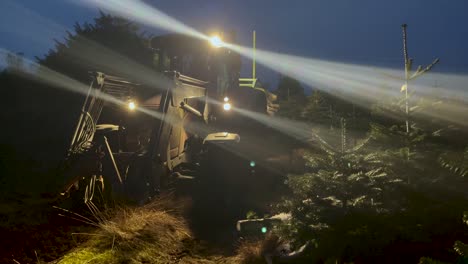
(134, 137)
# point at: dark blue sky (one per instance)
(359, 31)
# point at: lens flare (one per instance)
(216, 42)
(227, 106)
(131, 105)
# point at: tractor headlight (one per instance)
(216, 41)
(227, 106)
(131, 105)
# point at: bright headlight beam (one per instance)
(359, 81)
(227, 106)
(131, 105)
(86, 52)
(105, 59)
(360, 84)
(57, 80)
(146, 14)
(216, 42)
(355, 83)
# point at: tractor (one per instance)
(135, 138)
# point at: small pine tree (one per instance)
(356, 201)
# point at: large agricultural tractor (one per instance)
(134, 138)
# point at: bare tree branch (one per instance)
(428, 68)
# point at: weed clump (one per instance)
(255, 251)
(148, 234)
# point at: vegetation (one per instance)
(254, 251)
(154, 233)
(40, 119)
(389, 196)
(291, 97)
(100, 46)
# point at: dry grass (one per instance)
(252, 252)
(154, 223)
(154, 233)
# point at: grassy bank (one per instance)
(154, 233)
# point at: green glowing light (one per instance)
(264, 230)
(252, 164)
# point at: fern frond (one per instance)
(359, 145)
(455, 162)
(324, 145)
(358, 200)
(376, 173)
(461, 248)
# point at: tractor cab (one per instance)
(218, 66)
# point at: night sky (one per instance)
(360, 31)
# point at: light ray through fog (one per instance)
(145, 14)
(86, 52)
(60, 81)
(98, 57)
(364, 85)
(347, 78)
(358, 84)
